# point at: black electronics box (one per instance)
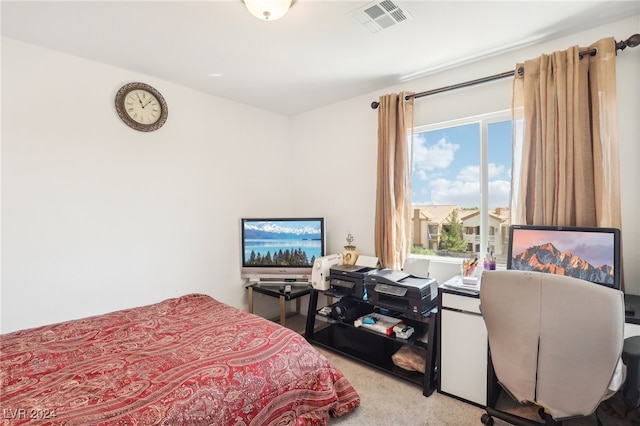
(402, 292)
(348, 310)
(348, 280)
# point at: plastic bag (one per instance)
(410, 358)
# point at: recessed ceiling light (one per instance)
(215, 74)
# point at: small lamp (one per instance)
(268, 10)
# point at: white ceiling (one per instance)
(315, 55)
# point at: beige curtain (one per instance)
(566, 164)
(393, 192)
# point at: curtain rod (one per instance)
(632, 41)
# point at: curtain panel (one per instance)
(565, 152)
(393, 190)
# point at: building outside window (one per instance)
(461, 178)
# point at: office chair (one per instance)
(554, 341)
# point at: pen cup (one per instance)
(468, 267)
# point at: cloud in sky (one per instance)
(437, 156)
(464, 193)
(439, 180)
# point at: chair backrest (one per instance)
(554, 340)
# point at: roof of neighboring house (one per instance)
(502, 212)
(438, 213)
(466, 214)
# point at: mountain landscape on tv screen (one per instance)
(547, 258)
(271, 231)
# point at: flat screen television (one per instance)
(591, 254)
(281, 248)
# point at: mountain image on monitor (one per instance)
(275, 231)
(547, 258)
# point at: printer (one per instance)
(401, 291)
(348, 280)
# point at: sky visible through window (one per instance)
(446, 166)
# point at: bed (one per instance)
(190, 360)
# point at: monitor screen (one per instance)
(591, 254)
(281, 248)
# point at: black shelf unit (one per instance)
(375, 349)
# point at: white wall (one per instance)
(340, 140)
(97, 216)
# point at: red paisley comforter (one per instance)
(185, 361)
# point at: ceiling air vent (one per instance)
(380, 15)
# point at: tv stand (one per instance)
(284, 296)
(373, 348)
(279, 282)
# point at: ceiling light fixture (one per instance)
(268, 10)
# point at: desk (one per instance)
(633, 301)
(632, 321)
(297, 291)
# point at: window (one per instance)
(461, 178)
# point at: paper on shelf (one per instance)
(470, 281)
(382, 323)
(458, 283)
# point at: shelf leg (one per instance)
(311, 314)
(430, 374)
(283, 313)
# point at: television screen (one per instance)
(281, 248)
(591, 254)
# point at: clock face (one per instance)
(141, 107)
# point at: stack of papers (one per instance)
(377, 322)
(403, 331)
(460, 283)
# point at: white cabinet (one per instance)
(463, 348)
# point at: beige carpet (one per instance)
(390, 401)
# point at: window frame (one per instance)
(484, 121)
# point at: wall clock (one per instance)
(141, 107)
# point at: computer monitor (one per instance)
(591, 254)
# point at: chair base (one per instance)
(487, 418)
